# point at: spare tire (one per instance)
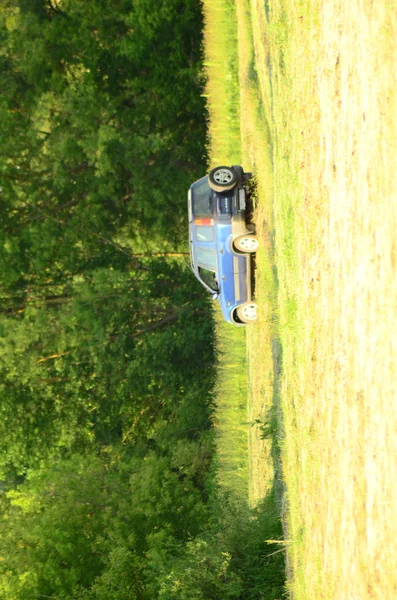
(222, 179)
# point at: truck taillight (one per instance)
(204, 221)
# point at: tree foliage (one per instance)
(93, 182)
(107, 358)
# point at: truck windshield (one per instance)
(209, 278)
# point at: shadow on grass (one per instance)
(267, 10)
(252, 537)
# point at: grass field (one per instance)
(238, 420)
(242, 450)
(318, 115)
(223, 102)
(334, 132)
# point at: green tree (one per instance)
(98, 361)
(50, 530)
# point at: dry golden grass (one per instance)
(334, 129)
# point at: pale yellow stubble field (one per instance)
(333, 125)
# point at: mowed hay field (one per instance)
(326, 78)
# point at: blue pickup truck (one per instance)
(221, 243)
